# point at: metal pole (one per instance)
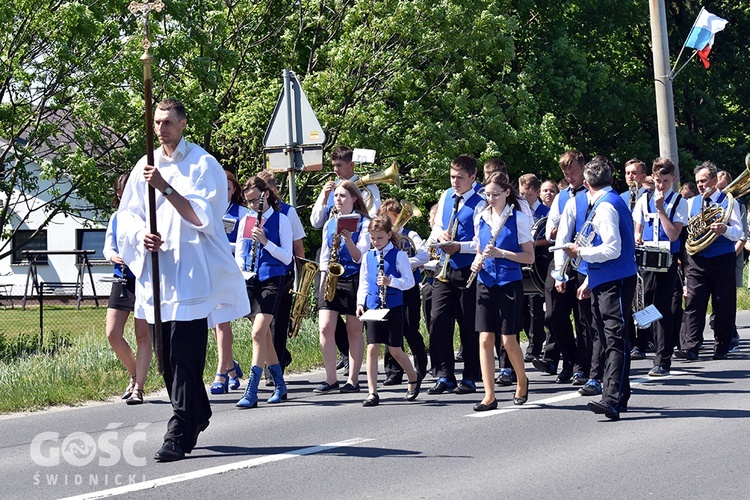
(663, 86)
(290, 144)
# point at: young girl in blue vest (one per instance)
(229, 372)
(263, 259)
(121, 304)
(500, 289)
(351, 247)
(385, 267)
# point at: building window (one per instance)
(92, 239)
(37, 242)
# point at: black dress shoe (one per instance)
(486, 407)
(545, 366)
(412, 394)
(524, 398)
(686, 355)
(602, 408)
(371, 400)
(564, 376)
(393, 381)
(442, 386)
(169, 452)
(719, 355)
(528, 358)
(466, 387)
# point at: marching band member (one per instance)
(451, 300)
(671, 210)
(498, 263)
(121, 304)
(610, 282)
(416, 250)
(281, 321)
(346, 249)
(533, 312)
(548, 192)
(263, 253)
(635, 174)
(385, 274)
(223, 331)
(710, 272)
(560, 303)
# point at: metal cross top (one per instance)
(144, 9)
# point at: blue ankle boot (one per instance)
(250, 399)
(279, 391)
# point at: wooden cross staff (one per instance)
(144, 9)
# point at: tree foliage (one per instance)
(418, 81)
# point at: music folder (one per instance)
(250, 221)
(645, 317)
(348, 222)
(374, 315)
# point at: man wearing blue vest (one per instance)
(635, 174)
(710, 272)
(664, 213)
(451, 301)
(560, 302)
(610, 283)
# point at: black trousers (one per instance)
(706, 277)
(612, 302)
(533, 323)
(453, 303)
(659, 291)
(677, 311)
(589, 347)
(184, 353)
(281, 321)
(412, 314)
(560, 337)
(426, 292)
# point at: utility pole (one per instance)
(663, 85)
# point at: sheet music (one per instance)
(374, 315)
(645, 317)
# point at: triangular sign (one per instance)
(293, 105)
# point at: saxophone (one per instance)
(334, 269)
(503, 219)
(301, 305)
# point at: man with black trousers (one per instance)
(201, 286)
(560, 302)
(451, 301)
(610, 282)
(711, 271)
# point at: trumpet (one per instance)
(445, 259)
(301, 307)
(584, 238)
(503, 219)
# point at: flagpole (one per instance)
(672, 73)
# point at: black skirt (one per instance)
(264, 295)
(390, 331)
(122, 295)
(499, 308)
(345, 300)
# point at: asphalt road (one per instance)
(684, 437)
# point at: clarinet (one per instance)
(124, 282)
(258, 221)
(382, 290)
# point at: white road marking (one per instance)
(562, 397)
(219, 469)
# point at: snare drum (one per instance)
(653, 259)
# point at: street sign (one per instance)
(294, 139)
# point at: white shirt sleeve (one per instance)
(363, 243)
(406, 281)
(523, 228)
(282, 252)
(471, 246)
(422, 256)
(553, 218)
(565, 231)
(325, 251)
(109, 240)
(374, 191)
(363, 279)
(318, 212)
(298, 232)
(437, 227)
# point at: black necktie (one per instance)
(588, 210)
(632, 200)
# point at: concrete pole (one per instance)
(663, 85)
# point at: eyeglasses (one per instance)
(254, 200)
(493, 195)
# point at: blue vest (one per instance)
(500, 271)
(233, 212)
(118, 267)
(582, 207)
(722, 245)
(623, 266)
(345, 258)
(284, 209)
(411, 252)
(465, 221)
(648, 226)
(565, 195)
(541, 211)
(267, 265)
(393, 296)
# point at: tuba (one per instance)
(408, 210)
(301, 305)
(387, 176)
(700, 235)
